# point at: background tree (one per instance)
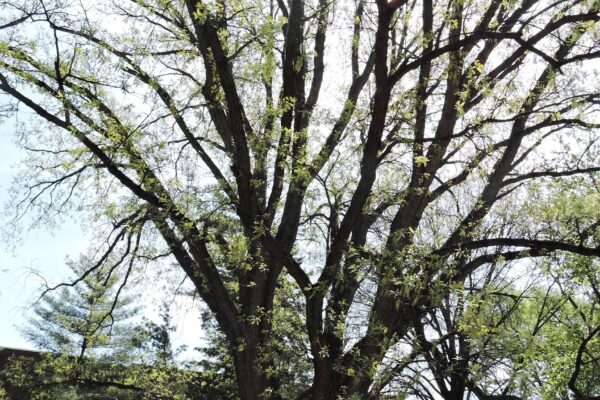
(381, 154)
(87, 318)
(152, 342)
(90, 351)
(506, 342)
(77, 326)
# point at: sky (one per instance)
(41, 250)
(44, 252)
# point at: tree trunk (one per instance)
(250, 379)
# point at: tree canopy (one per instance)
(403, 192)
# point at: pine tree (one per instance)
(150, 343)
(83, 319)
(81, 327)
